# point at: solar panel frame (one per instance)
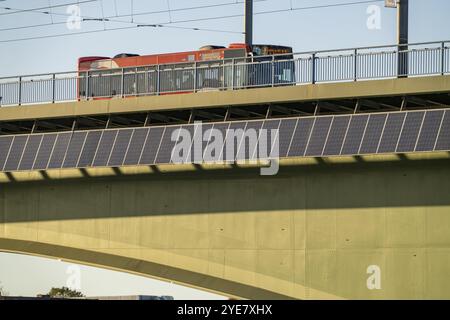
(15, 153)
(430, 129)
(89, 150)
(136, 146)
(286, 129)
(104, 149)
(5, 145)
(318, 137)
(45, 151)
(443, 140)
(230, 150)
(300, 137)
(218, 155)
(59, 150)
(410, 132)
(246, 149)
(391, 133)
(198, 149)
(151, 145)
(30, 152)
(336, 136)
(74, 149)
(373, 133)
(272, 136)
(354, 135)
(119, 150)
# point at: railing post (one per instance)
(122, 83)
(20, 91)
(442, 58)
(53, 88)
(195, 76)
(232, 73)
(87, 85)
(313, 68)
(136, 82)
(273, 71)
(355, 65)
(158, 80)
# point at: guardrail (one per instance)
(354, 64)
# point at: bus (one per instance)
(209, 68)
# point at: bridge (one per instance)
(362, 184)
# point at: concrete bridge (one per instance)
(311, 232)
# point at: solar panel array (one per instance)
(359, 134)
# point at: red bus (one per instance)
(216, 68)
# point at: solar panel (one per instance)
(5, 144)
(269, 141)
(336, 136)
(373, 133)
(214, 150)
(89, 149)
(15, 153)
(443, 142)
(168, 141)
(120, 147)
(104, 148)
(249, 142)
(410, 132)
(318, 136)
(301, 137)
(391, 132)
(30, 152)
(430, 130)
(201, 138)
(152, 145)
(287, 128)
(233, 139)
(45, 150)
(74, 149)
(354, 135)
(136, 146)
(182, 154)
(59, 150)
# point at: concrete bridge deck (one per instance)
(310, 232)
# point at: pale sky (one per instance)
(304, 30)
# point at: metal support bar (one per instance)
(122, 83)
(355, 65)
(158, 82)
(20, 91)
(54, 88)
(273, 71)
(87, 85)
(442, 58)
(195, 76)
(313, 68)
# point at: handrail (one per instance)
(229, 74)
(259, 57)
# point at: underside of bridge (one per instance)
(310, 232)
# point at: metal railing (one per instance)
(369, 63)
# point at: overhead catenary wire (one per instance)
(169, 24)
(16, 11)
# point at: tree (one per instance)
(64, 292)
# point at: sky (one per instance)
(325, 28)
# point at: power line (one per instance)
(114, 29)
(42, 8)
(168, 24)
(109, 18)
